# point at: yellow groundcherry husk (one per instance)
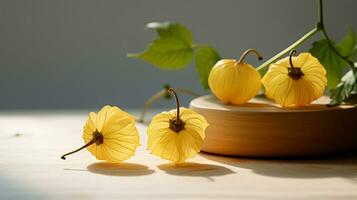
(120, 137)
(234, 82)
(289, 92)
(176, 146)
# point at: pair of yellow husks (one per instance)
(111, 135)
(292, 81)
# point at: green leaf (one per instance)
(205, 58)
(334, 65)
(171, 50)
(346, 90)
(348, 44)
(166, 53)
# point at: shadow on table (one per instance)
(195, 170)
(119, 169)
(345, 167)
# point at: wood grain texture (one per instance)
(262, 128)
(30, 168)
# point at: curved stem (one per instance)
(247, 52)
(294, 72)
(289, 48)
(292, 53)
(158, 95)
(94, 140)
(178, 120)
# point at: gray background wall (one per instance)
(72, 54)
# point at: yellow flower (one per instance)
(234, 81)
(110, 135)
(295, 81)
(176, 135)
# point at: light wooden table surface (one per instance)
(30, 168)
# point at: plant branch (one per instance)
(289, 48)
(321, 26)
(320, 12)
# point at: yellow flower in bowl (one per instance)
(233, 81)
(176, 135)
(110, 135)
(295, 80)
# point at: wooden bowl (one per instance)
(262, 128)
